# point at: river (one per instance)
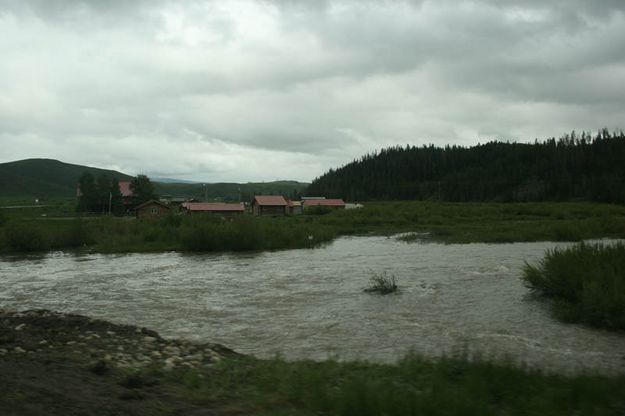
(309, 303)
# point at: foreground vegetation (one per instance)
(83, 370)
(586, 282)
(413, 386)
(432, 221)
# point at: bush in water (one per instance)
(382, 284)
(587, 282)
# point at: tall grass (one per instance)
(249, 233)
(586, 282)
(184, 233)
(34, 236)
(413, 386)
(445, 222)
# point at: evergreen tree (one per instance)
(576, 166)
(142, 190)
(87, 194)
(117, 207)
(103, 190)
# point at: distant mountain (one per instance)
(38, 178)
(170, 180)
(46, 178)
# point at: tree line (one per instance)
(103, 194)
(574, 167)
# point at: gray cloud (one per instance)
(216, 90)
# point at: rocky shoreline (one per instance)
(57, 363)
(43, 332)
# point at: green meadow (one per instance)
(55, 227)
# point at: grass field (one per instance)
(50, 228)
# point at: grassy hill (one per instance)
(45, 178)
(48, 178)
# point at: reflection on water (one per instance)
(310, 303)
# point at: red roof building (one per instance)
(214, 208)
(124, 189)
(270, 205)
(331, 203)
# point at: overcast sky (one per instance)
(264, 90)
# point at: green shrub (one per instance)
(587, 282)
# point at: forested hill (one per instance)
(574, 167)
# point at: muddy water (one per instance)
(311, 304)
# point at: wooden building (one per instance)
(152, 209)
(269, 205)
(214, 208)
(295, 207)
(326, 203)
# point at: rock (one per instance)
(3, 351)
(70, 342)
(195, 357)
(142, 357)
(149, 339)
(19, 350)
(172, 350)
(100, 368)
(20, 327)
(43, 342)
(168, 366)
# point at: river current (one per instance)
(309, 303)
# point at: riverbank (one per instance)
(421, 220)
(61, 364)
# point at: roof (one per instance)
(324, 202)
(151, 201)
(124, 188)
(213, 206)
(270, 200)
(295, 203)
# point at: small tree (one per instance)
(117, 207)
(142, 190)
(103, 189)
(87, 196)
